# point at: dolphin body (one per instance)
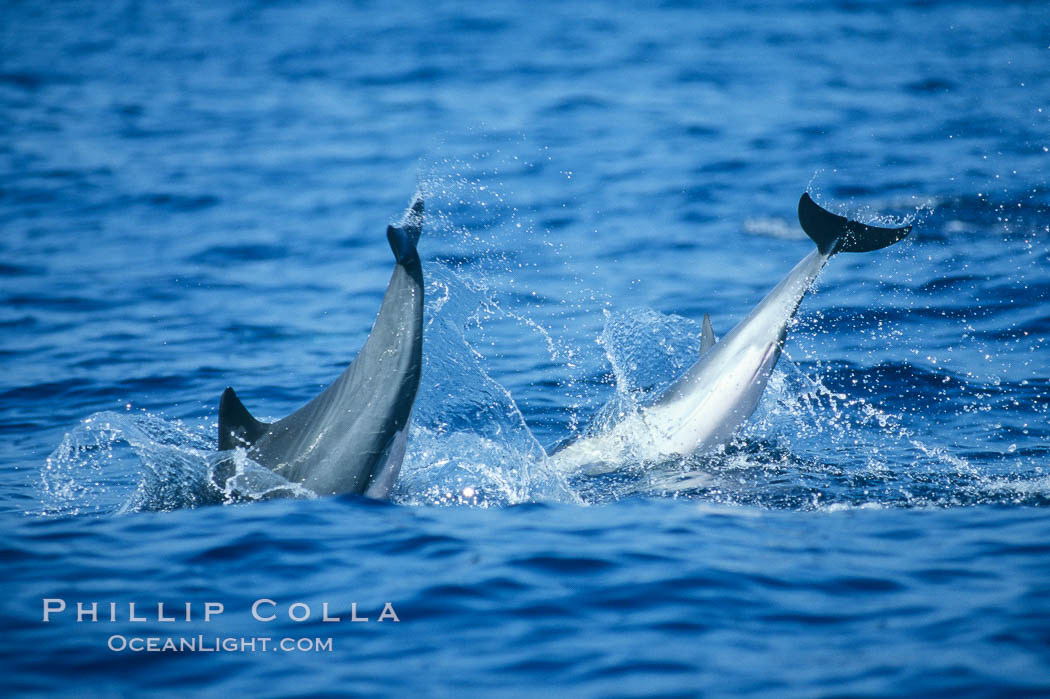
(351, 437)
(705, 407)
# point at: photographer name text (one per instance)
(263, 610)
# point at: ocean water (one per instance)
(194, 195)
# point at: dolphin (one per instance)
(705, 407)
(351, 437)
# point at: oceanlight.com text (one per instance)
(216, 644)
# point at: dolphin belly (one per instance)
(389, 466)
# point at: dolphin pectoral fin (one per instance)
(833, 233)
(707, 335)
(237, 427)
(404, 237)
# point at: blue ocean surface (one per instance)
(194, 195)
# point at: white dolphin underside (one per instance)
(705, 407)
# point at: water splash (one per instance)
(469, 442)
(125, 462)
(116, 463)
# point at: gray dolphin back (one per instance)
(351, 437)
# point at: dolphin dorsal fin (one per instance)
(237, 427)
(707, 335)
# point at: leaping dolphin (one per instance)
(704, 408)
(351, 437)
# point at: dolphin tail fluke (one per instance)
(405, 236)
(237, 427)
(707, 335)
(833, 233)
